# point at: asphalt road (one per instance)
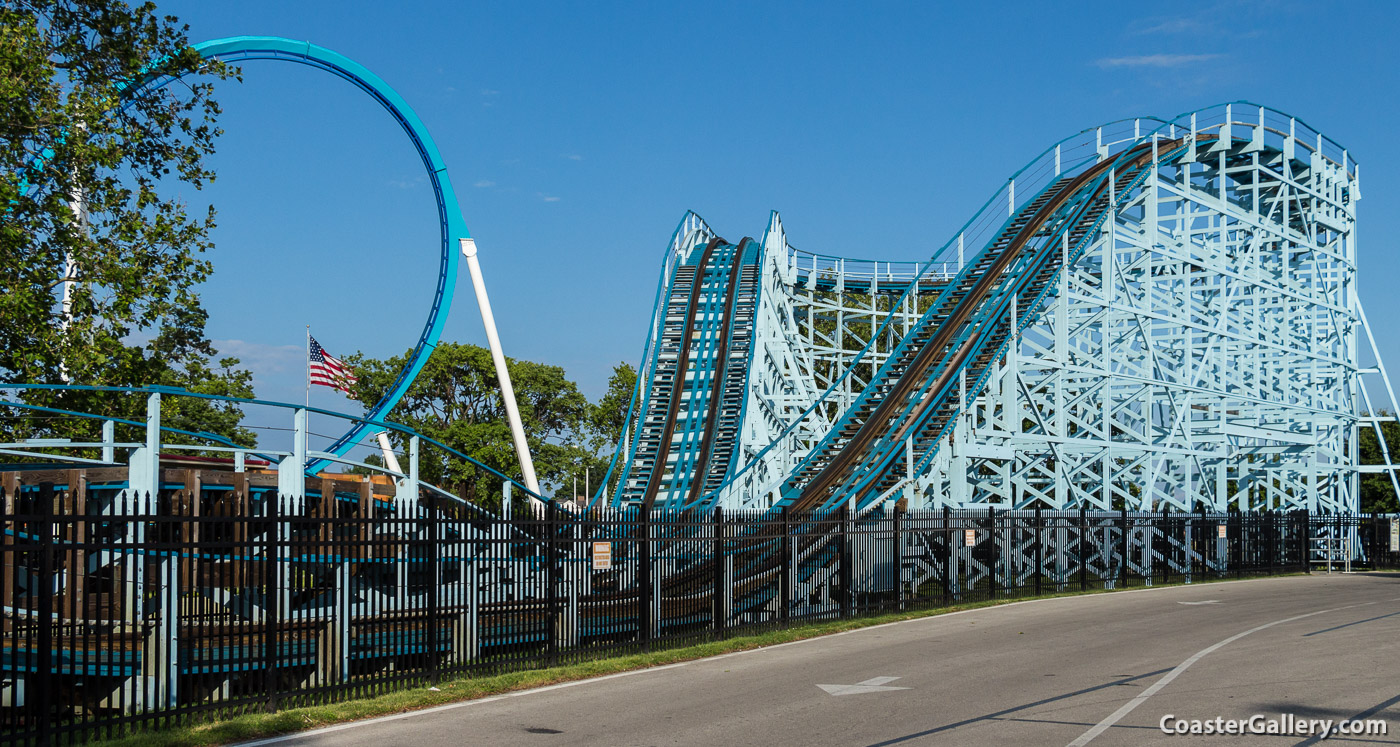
(1054, 672)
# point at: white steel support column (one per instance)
(517, 428)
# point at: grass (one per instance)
(261, 725)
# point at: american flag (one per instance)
(327, 370)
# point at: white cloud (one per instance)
(574, 157)
(263, 358)
(1167, 26)
(547, 198)
(489, 92)
(484, 183)
(1155, 60)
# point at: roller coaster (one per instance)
(1149, 333)
(1167, 317)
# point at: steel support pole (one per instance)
(391, 460)
(517, 428)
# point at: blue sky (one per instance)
(577, 134)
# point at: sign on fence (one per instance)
(969, 537)
(1395, 535)
(1220, 531)
(602, 556)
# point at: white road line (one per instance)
(1167, 678)
(678, 665)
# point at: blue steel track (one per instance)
(450, 220)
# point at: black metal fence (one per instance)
(130, 611)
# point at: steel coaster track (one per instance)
(451, 223)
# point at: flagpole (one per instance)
(308, 366)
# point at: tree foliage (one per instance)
(1377, 492)
(133, 260)
(607, 417)
(456, 400)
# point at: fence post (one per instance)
(1083, 556)
(719, 614)
(785, 579)
(897, 564)
(951, 566)
(1160, 555)
(1342, 531)
(1039, 552)
(1238, 544)
(644, 593)
(844, 559)
(1380, 542)
(271, 601)
(1189, 531)
(43, 674)
(1305, 540)
(995, 559)
(1205, 538)
(1374, 543)
(1273, 541)
(551, 583)
(432, 558)
(1123, 545)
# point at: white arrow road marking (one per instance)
(1208, 601)
(872, 685)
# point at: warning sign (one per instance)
(969, 537)
(602, 556)
(1220, 531)
(1395, 535)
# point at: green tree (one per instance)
(606, 419)
(1377, 492)
(132, 261)
(457, 401)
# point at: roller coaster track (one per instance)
(714, 328)
(760, 471)
(911, 396)
(962, 331)
(910, 400)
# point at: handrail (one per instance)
(175, 391)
